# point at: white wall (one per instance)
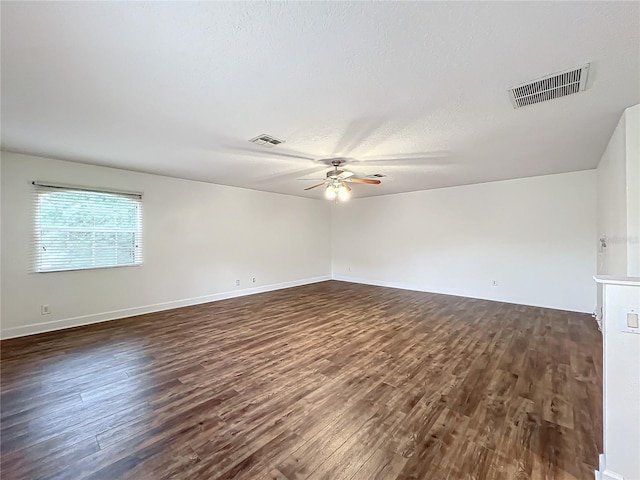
(0, 246)
(619, 221)
(612, 205)
(632, 144)
(619, 198)
(199, 238)
(534, 236)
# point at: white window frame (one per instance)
(47, 187)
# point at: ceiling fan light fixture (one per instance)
(337, 182)
(343, 193)
(330, 192)
(337, 191)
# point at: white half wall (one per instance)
(619, 198)
(199, 239)
(535, 237)
(621, 376)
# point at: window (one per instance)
(79, 228)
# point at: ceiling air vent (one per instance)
(377, 175)
(550, 87)
(266, 140)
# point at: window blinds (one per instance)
(80, 228)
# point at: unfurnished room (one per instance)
(381, 240)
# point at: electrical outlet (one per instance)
(630, 319)
(237, 283)
(44, 310)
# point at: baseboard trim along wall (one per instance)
(415, 288)
(130, 312)
(603, 473)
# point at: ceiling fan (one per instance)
(337, 182)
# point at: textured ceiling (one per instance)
(178, 88)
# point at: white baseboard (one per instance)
(603, 474)
(607, 475)
(130, 312)
(455, 293)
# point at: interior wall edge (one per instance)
(465, 294)
(65, 323)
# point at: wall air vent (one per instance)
(266, 140)
(550, 87)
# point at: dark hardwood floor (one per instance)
(331, 380)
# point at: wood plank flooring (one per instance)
(326, 381)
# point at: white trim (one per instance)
(603, 474)
(64, 186)
(455, 293)
(130, 312)
(610, 279)
(608, 475)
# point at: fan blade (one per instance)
(249, 152)
(318, 185)
(439, 158)
(359, 130)
(346, 174)
(344, 184)
(293, 174)
(241, 149)
(209, 141)
(362, 180)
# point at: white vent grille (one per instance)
(550, 87)
(266, 140)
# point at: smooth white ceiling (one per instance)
(178, 88)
